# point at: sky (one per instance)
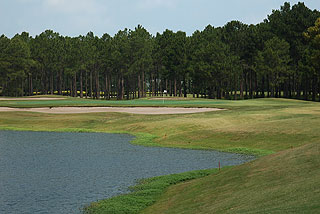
(77, 17)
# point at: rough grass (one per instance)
(286, 182)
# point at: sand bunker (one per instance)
(131, 110)
(35, 98)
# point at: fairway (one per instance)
(130, 110)
(259, 127)
(288, 129)
(55, 101)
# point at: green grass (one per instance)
(259, 127)
(144, 194)
(279, 127)
(286, 182)
(69, 101)
(171, 102)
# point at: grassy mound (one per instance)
(286, 182)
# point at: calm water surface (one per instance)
(47, 172)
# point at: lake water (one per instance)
(47, 172)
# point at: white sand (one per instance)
(130, 110)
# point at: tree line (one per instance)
(279, 57)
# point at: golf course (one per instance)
(283, 134)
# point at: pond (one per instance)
(48, 172)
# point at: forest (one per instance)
(279, 57)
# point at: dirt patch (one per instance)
(132, 110)
(35, 98)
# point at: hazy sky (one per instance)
(77, 17)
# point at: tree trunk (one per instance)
(184, 87)
(22, 88)
(166, 87)
(122, 87)
(314, 87)
(153, 82)
(139, 86)
(30, 86)
(43, 84)
(305, 90)
(272, 87)
(235, 87)
(81, 86)
(161, 87)
(91, 85)
(143, 86)
(71, 87)
(75, 91)
(97, 85)
(109, 87)
(241, 89)
(127, 89)
(51, 83)
(86, 85)
(251, 84)
(262, 87)
(60, 83)
(180, 88)
(290, 87)
(268, 86)
(106, 91)
(175, 86)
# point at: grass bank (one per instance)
(286, 182)
(144, 194)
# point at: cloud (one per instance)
(72, 6)
(147, 4)
(74, 17)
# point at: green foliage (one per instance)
(273, 62)
(14, 63)
(313, 35)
